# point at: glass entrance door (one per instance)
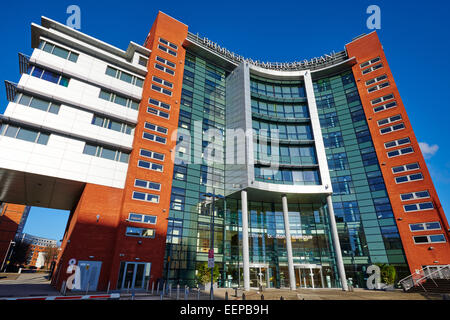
(259, 276)
(134, 275)
(309, 276)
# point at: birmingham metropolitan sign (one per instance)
(296, 65)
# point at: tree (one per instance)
(20, 253)
(388, 274)
(51, 254)
(204, 273)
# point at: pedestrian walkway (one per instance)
(27, 284)
(38, 284)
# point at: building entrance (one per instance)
(309, 276)
(134, 275)
(259, 276)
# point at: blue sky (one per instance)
(415, 40)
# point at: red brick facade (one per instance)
(418, 255)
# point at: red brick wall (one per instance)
(152, 250)
(89, 237)
(9, 222)
(106, 239)
(418, 255)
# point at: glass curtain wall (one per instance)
(365, 222)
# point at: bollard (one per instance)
(281, 298)
(128, 290)
(198, 293)
(262, 297)
(157, 288)
(243, 296)
(160, 296)
(185, 292)
(170, 290)
(87, 288)
(109, 283)
(178, 291)
(63, 288)
(235, 292)
(153, 286)
(164, 288)
(146, 287)
(226, 295)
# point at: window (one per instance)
(141, 218)
(117, 99)
(158, 113)
(382, 99)
(147, 184)
(140, 232)
(397, 143)
(390, 129)
(179, 172)
(124, 76)
(437, 238)
(106, 153)
(159, 103)
(154, 127)
(329, 120)
(177, 199)
(333, 140)
(111, 124)
(342, 185)
(418, 207)
(371, 69)
(389, 120)
(167, 43)
(37, 103)
(386, 106)
(48, 75)
(164, 69)
(370, 62)
(375, 80)
(163, 82)
(58, 51)
(154, 137)
(25, 134)
(378, 87)
(400, 152)
(162, 90)
(143, 61)
(162, 48)
(338, 161)
(166, 62)
(375, 181)
(150, 165)
(406, 167)
(415, 195)
(151, 154)
(425, 226)
(143, 196)
(409, 178)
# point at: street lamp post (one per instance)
(213, 195)
(8, 254)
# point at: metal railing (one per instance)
(418, 278)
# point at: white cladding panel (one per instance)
(63, 158)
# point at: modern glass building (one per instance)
(293, 175)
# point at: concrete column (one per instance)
(337, 245)
(287, 232)
(245, 254)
